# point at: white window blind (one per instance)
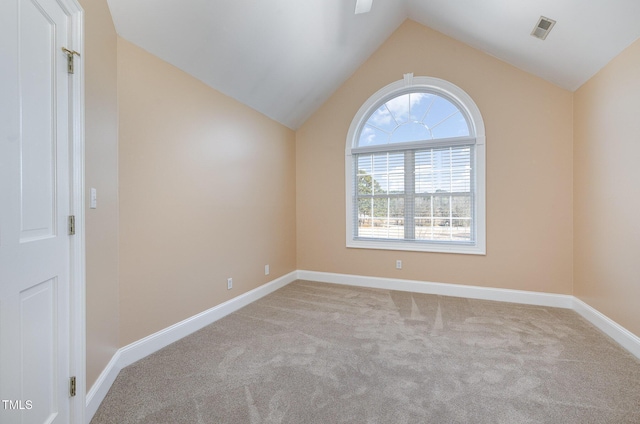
(415, 195)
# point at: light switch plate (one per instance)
(93, 200)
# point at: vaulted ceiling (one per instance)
(285, 58)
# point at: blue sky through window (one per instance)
(413, 117)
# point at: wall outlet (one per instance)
(229, 283)
(266, 269)
(398, 264)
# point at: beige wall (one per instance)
(211, 189)
(207, 192)
(607, 197)
(529, 171)
(101, 172)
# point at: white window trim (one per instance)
(468, 106)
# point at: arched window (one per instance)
(415, 170)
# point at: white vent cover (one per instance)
(363, 6)
(543, 27)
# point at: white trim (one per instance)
(137, 350)
(77, 289)
(444, 289)
(471, 111)
(156, 341)
(621, 335)
(428, 83)
(439, 142)
(101, 387)
(415, 246)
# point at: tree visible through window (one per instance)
(415, 174)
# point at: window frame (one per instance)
(471, 112)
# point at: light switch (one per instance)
(93, 202)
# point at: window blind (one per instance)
(422, 194)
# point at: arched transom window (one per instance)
(414, 116)
(415, 170)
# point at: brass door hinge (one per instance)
(70, 54)
(72, 386)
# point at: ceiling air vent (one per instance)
(543, 27)
(363, 6)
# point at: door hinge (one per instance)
(70, 54)
(72, 386)
(72, 225)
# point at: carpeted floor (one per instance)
(322, 353)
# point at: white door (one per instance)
(35, 190)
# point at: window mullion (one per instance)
(355, 219)
(409, 194)
(451, 155)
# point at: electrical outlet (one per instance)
(229, 283)
(398, 264)
(266, 269)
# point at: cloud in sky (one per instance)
(413, 117)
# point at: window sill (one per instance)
(459, 248)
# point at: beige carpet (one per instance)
(321, 353)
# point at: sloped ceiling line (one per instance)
(285, 58)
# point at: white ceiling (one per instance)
(285, 58)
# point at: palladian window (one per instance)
(415, 163)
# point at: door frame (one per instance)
(77, 254)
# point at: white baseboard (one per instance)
(621, 335)
(144, 347)
(154, 342)
(101, 387)
(150, 344)
(456, 290)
